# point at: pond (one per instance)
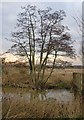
(25, 103)
(58, 95)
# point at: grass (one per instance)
(18, 76)
(14, 78)
(49, 108)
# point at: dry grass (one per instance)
(18, 76)
(14, 75)
(50, 108)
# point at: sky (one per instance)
(9, 11)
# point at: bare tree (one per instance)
(80, 23)
(39, 33)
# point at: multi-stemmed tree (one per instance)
(40, 35)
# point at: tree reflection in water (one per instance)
(38, 95)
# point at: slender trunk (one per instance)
(43, 42)
(33, 52)
(52, 67)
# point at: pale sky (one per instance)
(41, 0)
(9, 11)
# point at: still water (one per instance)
(48, 103)
(58, 95)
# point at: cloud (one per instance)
(12, 58)
(41, 0)
(11, 9)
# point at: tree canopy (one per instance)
(40, 33)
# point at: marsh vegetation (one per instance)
(24, 103)
(36, 90)
(57, 100)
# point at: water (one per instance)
(54, 103)
(61, 95)
(58, 95)
(0, 97)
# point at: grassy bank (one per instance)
(14, 78)
(18, 76)
(17, 105)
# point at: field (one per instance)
(22, 103)
(18, 76)
(57, 101)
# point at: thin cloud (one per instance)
(41, 0)
(11, 9)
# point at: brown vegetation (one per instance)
(34, 108)
(18, 76)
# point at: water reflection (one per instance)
(48, 103)
(58, 95)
